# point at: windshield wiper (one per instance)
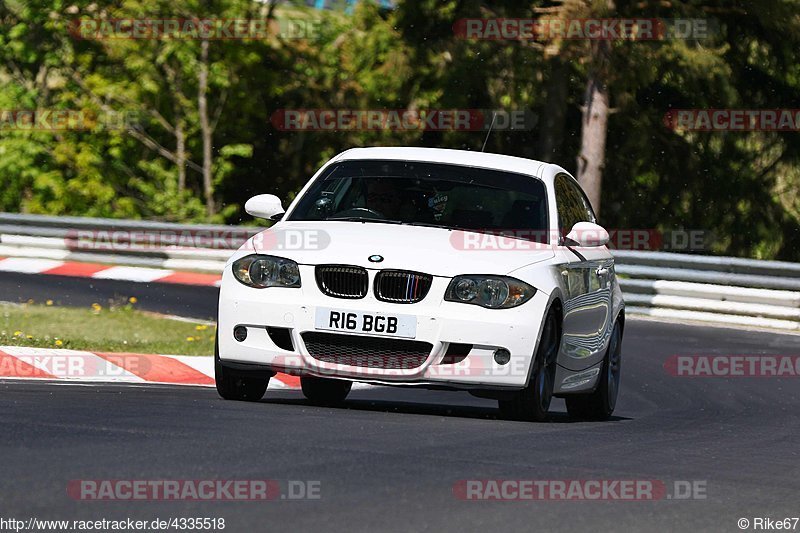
(366, 219)
(435, 225)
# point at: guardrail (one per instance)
(195, 247)
(688, 287)
(726, 290)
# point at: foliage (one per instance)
(743, 186)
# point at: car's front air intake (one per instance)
(342, 281)
(400, 286)
(369, 352)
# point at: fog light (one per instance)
(502, 356)
(240, 333)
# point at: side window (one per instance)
(572, 205)
(588, 212)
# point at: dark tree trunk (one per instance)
(591, 159)
(552, 126)
(205, 129)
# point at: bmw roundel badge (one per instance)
(375, 258)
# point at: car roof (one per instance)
(467, 158)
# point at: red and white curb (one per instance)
(20, 362)
(100, 271)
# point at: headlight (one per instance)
(493, 292)
(261, 271)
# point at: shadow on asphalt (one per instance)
(414, 408)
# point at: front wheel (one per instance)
(325, 391)
(237, 386)
(533, 402)
(600, 404)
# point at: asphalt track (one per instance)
(389, 458)
(172, 299)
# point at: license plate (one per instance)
(366, 323)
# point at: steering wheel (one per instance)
(365, 212)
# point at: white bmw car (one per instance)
(431, 268)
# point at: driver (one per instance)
(383, 197)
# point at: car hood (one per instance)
(434, 251)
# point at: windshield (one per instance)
(447, 196)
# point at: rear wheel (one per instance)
(600, 404)
(325, 391)
(233, 385)
(533, 402)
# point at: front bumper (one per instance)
(439, 323)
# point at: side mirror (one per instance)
(587, 234)
(265, 206)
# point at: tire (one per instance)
(600, 404)
(237, 385)
(533, 402)
(325, 391)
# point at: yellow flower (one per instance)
(201, 327)
(133, 299)
(59, 343)
(190, 339)
(17, 333)
(49, 302)
(96, 307)
(29, 337)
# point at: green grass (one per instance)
(116, 328)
